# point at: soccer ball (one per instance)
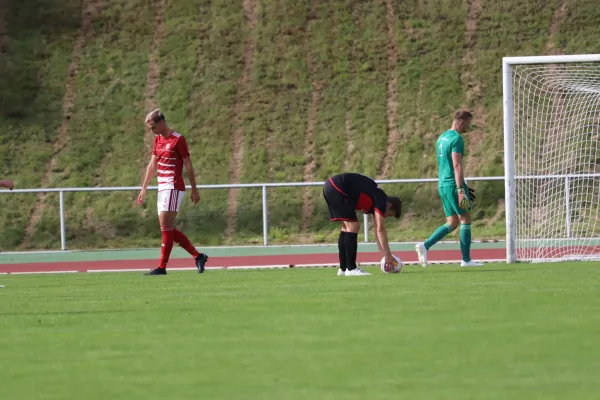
(397, 266)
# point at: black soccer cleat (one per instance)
(201, 261)
(157, 271)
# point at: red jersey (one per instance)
(171, 151)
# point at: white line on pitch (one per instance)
(43, 272)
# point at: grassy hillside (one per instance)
(294, 89)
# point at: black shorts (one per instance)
(341, 207)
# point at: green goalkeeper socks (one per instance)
(465, 241)
(438, 235)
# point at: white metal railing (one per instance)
(263, 186)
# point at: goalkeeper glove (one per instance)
(463, 200)
(471, 193)
(470, 189)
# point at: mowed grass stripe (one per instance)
(522, 331)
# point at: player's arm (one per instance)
(382, 235)
(382, 240)
(184, 153)
(379, 246)
(7, 184)
(459, 176)
(150, 172)
(187, 162)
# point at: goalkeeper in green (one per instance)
(456, 196)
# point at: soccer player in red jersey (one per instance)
(169, 155)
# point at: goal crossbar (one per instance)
(575, 58)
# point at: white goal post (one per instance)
(552, 157)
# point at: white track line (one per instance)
(91, 271)
(43, 272)
(241, 267)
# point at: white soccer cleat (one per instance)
(422, 253)
(356, 272)
(470, 264)
(341, 272)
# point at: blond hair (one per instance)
(155, 115)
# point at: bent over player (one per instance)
(456, 196)
(169, 155)
(346, 193)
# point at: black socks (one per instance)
(342, 250)
(351, 245)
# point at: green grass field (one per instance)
(496, 332)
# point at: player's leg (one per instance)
(451, 209)
(465, 241)
(178, 236)
(342, 251)
(335, 204)
(351, 244)
(199, 258)
(341, 208)
(465, 236)
(167, 220)
(182, 240)
(167, 211)
(441, 232)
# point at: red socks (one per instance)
(184, 242)
(167, 246)
(170, 235)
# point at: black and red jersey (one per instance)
(363, 191)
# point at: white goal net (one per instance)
(556, 154)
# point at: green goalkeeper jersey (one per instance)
(449, 142)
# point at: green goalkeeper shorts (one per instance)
(449, 197)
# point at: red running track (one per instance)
(241, 261)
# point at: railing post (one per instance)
(568, 204)
(265, 216)
(366, 224)
(63, 237)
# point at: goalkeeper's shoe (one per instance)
(157, 271)
(201, 261)
(341, 272)
(470, 264)
(422, 253)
